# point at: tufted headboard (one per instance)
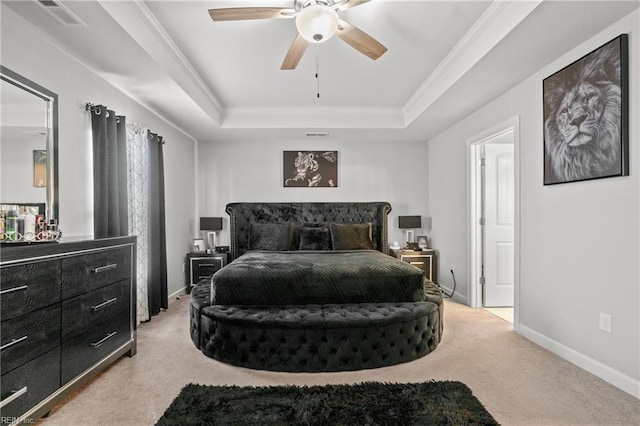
(242, 214)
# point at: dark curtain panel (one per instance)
(158, 297)
(109, 173)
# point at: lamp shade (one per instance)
(210, 223)
(317, 23)
(410, 222)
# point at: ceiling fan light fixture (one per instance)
(317, 23)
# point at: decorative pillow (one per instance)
(316, 238)
(351, 236)
(270, 236)
(297, 232)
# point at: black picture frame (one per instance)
(586, 116)
(311, 169)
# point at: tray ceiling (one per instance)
(222, 80)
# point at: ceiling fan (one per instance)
(316, 20)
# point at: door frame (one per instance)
(474, 210)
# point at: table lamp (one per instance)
(212, 225)
(409, 223)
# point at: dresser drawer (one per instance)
(25, 288)
(81, 313)
(422, 261)
(28, 336)
(85, 350)
(24, 387)
(203, 271)
(84, 273)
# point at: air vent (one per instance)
(61, 13)
(317, 134)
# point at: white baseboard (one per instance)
(456, 296)
(176, 295)
(606, 373)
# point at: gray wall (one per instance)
(367, 171)
(579, 242)
(16, 175)
(27, 53)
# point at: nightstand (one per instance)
(202, 265)
(424, 259)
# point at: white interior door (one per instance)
(499, 225)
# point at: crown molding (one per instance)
(500, 18)
(140, 23)
(65, 50)
(337, 118)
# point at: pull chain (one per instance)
(317, 73)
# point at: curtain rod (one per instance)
(95, 108)
(160, 138)
(91, 107)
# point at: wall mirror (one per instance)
(28, 143)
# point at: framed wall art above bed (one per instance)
(586, 116)
(310, 169)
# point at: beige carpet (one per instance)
(504, 313)
(517, 381)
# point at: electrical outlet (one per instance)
(184, 267)
(452, 268)
(605, 322)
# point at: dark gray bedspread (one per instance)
(316, 277)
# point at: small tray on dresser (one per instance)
(43, 237)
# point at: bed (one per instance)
(311, 288)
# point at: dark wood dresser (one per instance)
(68, 310)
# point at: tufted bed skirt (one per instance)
(316, 338)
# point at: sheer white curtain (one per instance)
(138, 201)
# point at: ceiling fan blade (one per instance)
(295, 53)
(360, 40)
(244, 13)
(352, 3)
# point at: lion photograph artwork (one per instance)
(586, 117)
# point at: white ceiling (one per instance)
(222, 80)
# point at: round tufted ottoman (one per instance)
(314, 338)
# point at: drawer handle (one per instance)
(101, 341)
(13, 342)
(104, 304)
(203, 276)
(105, 268)
(10, 290)
(14, 395)
(207, 265)
(416, 263)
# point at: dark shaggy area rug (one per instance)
(430, 403)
